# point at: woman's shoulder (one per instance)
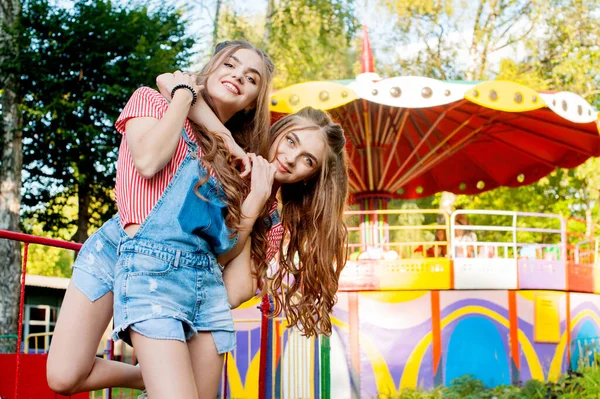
(148, 93)
(144, 102)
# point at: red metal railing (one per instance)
(27, 239)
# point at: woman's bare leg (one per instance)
(72, 363)
(207, 365)
(166, 367)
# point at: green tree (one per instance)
(312, 40)
(79, 67)
(563, 56)
(443, 30)
(307, 39)
(232, 25)
(51, 261)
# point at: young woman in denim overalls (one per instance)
(299, 176)
(183, 250)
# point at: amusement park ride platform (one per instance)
(519, 301)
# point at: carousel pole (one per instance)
(374, 231)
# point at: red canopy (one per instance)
(411, 137)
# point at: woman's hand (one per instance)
(239, 154)
(167, 81)
(261, 185)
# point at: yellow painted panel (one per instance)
(505, 96)
(320, 95)
(530, 294)
(251, 303)
(546, 325)
(394, 296)
(596, 274)
(414, 274)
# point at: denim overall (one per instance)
(93, 270)
(167, 281)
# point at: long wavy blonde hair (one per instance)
(249, 129)
(314, 247)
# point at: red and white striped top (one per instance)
(274, 236)
(137, 196)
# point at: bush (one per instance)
(573, 385)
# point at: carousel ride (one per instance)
(427, 296)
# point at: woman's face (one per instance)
(236, 82)
(298, 154)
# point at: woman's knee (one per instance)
(63, 379)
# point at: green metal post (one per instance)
(325, 368)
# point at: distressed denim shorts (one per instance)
(93, 270)
(163, 293)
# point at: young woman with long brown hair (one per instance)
(236, 86)
(308, 151)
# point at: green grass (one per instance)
(117, 393)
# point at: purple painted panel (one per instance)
(542, 274)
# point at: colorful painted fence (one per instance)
(423, 301)
(385, 341)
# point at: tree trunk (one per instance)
(474, 60)
(589, 221)
(268, 21)
(83, 213)
(216, 25)
(10, 182)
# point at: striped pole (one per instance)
(20, 322)
(225, 379)
(316, 369)
(264, 345)
(269, 355)
(325, 368)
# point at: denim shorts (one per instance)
(163, 293)
(93, 270)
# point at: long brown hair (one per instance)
(248, 128)
(313, 251)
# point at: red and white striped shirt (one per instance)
(137, 196)
(274, 235)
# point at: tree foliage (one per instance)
(441, 32)
(563, 56)
(307, 39)
(78, 68)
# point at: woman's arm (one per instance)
(241, 285)
(261, 187)
(153, 142)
